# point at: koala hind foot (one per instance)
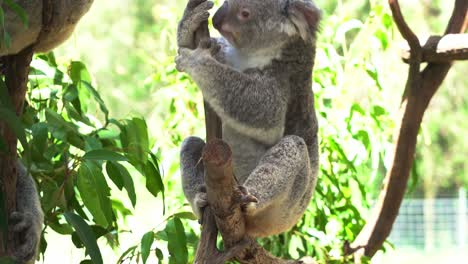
(248, 201)
(26, 236)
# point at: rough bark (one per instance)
(16, 79)
(420, 89)
(224, 213)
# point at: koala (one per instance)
(257, 77)
(27, 221)
(66, 14)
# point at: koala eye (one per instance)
(244, 14)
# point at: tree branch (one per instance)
(438, 49)
(403, 27)
(16, 79)
(422, 87)
(224, 198)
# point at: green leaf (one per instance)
(2, 18)
(103, 154)
(122, 174)
(177, 241)
(7, 260)
(98, 98)
(15, 125)
(40, 134)
(78, 72)
(159, 255)
(129, 251)
(95, 192)
(154, 182)
(135, 141)
(186, 215)
(19, 11)
(114, 173)
(146, 243)
(86, 235)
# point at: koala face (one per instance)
(252, 25)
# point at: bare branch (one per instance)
(403, 27)
(421, 87)
(459, 20)
(438, 49)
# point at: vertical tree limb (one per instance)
(224, 213)
(421, 87)
(16, 79)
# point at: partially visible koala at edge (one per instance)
(27, 221)
(66, 14)
(258, 79)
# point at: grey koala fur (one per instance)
(66, 14)
(258, 80)
(26, 222)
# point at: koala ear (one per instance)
(304, 15)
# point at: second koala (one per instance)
(258, 80)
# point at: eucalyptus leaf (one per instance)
(146, 243)
(103, 154)
(86, 235)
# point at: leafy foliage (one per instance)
(75, 149)
(70, 139)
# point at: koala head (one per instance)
(252, 25)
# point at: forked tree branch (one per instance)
(421, 87)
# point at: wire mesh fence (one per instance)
(428, 224)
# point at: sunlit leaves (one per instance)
(146, 243)
(122, 179)
(177, 242)
(95, 192)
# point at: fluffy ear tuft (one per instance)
(305, 16)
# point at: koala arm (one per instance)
(253, 102)
(27, 199)
(195, 14)
(28, 219)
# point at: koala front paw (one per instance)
(248, 202)
(200, 202)
(197, 12)
(184, 60)
(187, 60)
(27, 235)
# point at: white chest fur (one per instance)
(242, 62)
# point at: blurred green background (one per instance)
(129, 47)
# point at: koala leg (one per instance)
(283, 183)
(192, 171)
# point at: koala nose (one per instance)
(220, 15)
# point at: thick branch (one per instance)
(439, 49)
(16, 79)
(422, 87)
(224, 198)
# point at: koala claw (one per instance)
(247, 201)
(25, 236)
(200, 202)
